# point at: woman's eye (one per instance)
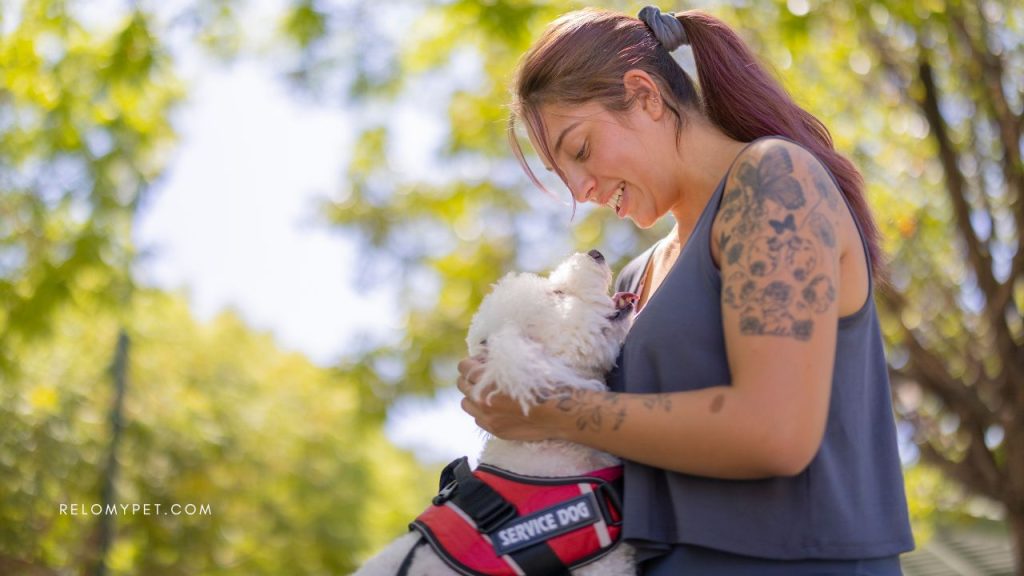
(583, 153)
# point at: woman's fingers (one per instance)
(470, 370)
(466, 382)
(475, 411)
(466, 364)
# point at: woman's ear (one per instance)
(645, 90)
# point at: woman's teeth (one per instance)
(615, 202)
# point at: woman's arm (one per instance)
(709, 432)
(777, 234)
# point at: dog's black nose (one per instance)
(596, 255)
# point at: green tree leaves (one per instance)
(299, 479)
(214, 415)
(85, 130)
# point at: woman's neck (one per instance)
(705, 155)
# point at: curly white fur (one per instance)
(538, 333)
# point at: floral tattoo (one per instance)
(776, 243)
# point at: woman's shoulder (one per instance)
(781, 204)
(775, 156)
(774, 185)
(780, 172)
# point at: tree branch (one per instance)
(979, 257)
(989, 73)
(930, 372)
(981, 460)
(964, 471)
(956, 186)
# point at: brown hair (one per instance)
(582, 57)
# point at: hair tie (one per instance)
(666, 27)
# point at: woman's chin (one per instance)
(641, 222)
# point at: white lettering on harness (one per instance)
(574, 513)
(545, 524)
(533, 527)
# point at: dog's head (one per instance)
(541, 332)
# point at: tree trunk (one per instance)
(1015, 521)
(103, 535)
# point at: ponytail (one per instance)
(742, 99)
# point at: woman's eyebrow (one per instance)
(558, 143)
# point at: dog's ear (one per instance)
(520, 368)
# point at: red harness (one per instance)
(492, 522)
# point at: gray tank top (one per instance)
(848, 503)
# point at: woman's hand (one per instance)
(498, 414)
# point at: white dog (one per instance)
(539, 334)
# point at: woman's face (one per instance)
(619, 161)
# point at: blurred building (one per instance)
(961, 551)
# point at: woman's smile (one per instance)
(616, 200)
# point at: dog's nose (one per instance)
(596, 255)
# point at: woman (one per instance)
(751, 399)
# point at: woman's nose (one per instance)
(584, 189)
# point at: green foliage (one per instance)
(216, 415)
(84, 130)
(447, 238)
(293, 465)
(936, 503)
(305, 24)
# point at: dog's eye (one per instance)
(558, 292)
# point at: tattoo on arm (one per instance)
(658, 402)
(592, 411)
(717, 403)
(596, 411)
(821, 184)
(777, 244)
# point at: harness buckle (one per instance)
(445, 494)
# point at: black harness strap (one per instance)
(488, 509)
(403, 570)
(540, 559)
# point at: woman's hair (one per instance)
(582, 57)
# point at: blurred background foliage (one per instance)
(296, 480)
(110, 391)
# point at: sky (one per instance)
(233, 224)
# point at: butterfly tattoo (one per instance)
(788, 224)
(771, 180)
